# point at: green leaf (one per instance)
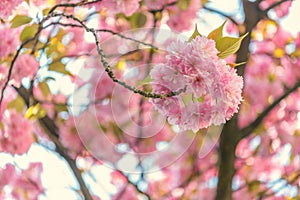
(58, 67)
(43, 86)
(187, 98)
(46, 11)
(20, 20)
(183, 4)
(145, 81)
(28, 32)
(138, 20)
(195, 34)
(217, 33)
(201, 99)
(18, 104)
(228, 45)
(30, 44)
(35, 112)
(254, 185)
(60, 107)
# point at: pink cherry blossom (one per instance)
(181, 20)
(212, 89)
(69, 137)
(6, 175)
(7, 6)
(77, 44)
(9, 39)
(155, 4)
(16, 135)
(3, 74)
(25, 66)
(281, 10)
(29, 183)
(24, 184)
(128, 7)
(128, 192)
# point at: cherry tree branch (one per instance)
(231, 134)
(108, 67)
(106, 31)
(275, 5)
(251, 127)
(222, 14)
(134, 185)
(13, 62)
(51, 129)
(72, 5)
(265, 194)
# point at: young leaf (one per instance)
(43, 86)
(28, 32)
(138, 20)
(58, 67)
(200, 99)
(228, 45)
(217, 33)
(195, 34)
(20, 20)
(30, 44)
(187, 98)
(183, 4)
(18, 104)
(60, 108)
(46, 11)
(35, 112)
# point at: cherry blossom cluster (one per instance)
(212, 88)
(25, 184)
(16, 136)
(7, 7)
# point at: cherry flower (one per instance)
(8, 39)
(24, 185)
(212, 88)
(3, 74)
(128, 7)
(181, 18)
(25, 66)
(16, 135)
(69, 137)
(7, 6)
(281, 10)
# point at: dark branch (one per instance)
(222, 14)
(13, 62)
(108, 67)
(251, 127)
(275, 5)
(51, 131)
(72, 5)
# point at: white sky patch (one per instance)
(291, 22)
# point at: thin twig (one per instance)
(222, 14)
(12, 64)
(275, 5)
(72, 5)
(51, 129)
(108, 67)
